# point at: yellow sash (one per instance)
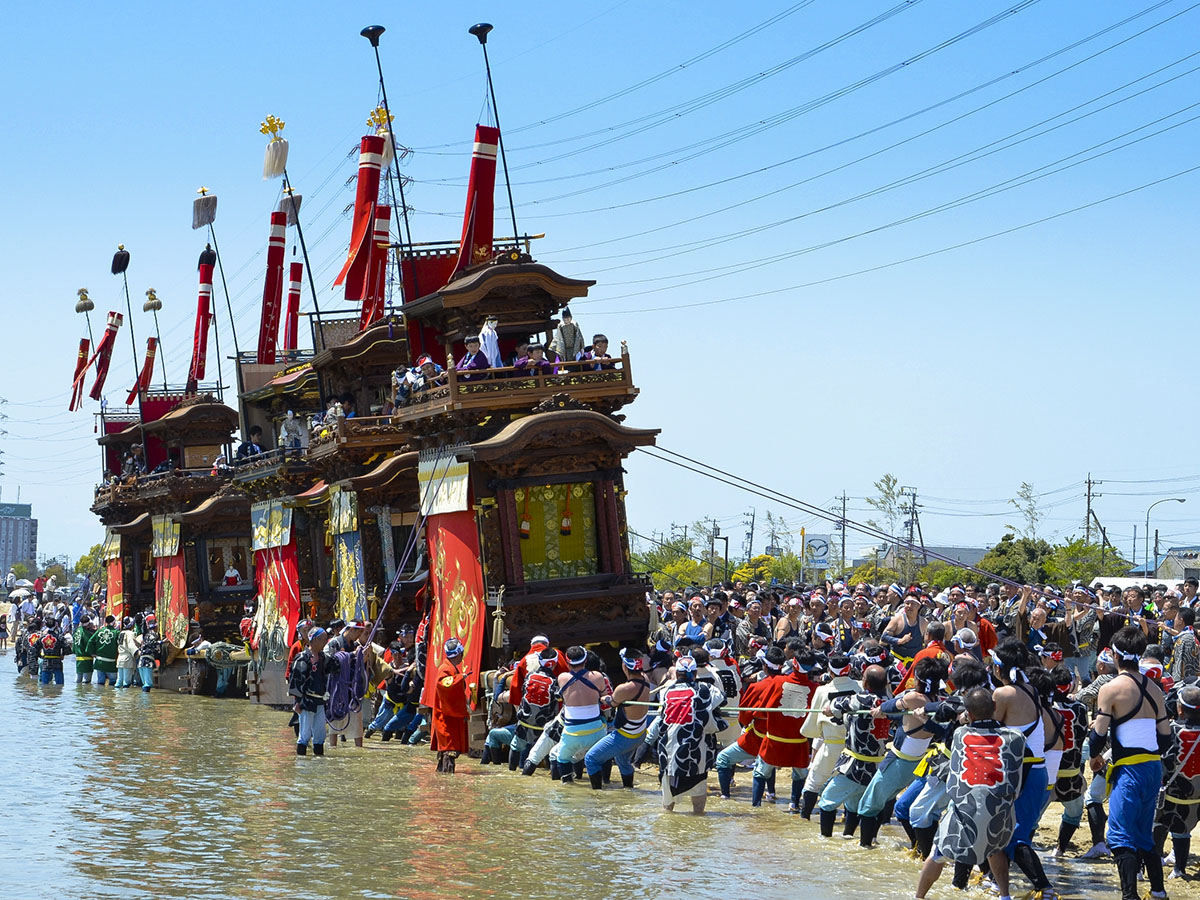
(1111, 771)
(904, 756)
(861, 757)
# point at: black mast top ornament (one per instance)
(372, 33)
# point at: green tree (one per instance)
(758, 569)
(889, 504)
(941, 575)
(872, 575)
(1026, 504)
(57, 570)
(785, 567)
(92, 566)
(1077, 560)
(1018, 559)
(24, 570)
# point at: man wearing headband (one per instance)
(539, 703)
(905, 633)
(754, 723)
(584, 691)
(907, 748)
(678, 734)
(448, 736)
(1178, 811)
(935, 648)
(1185, 654)
(984, 776)
(1019, 706)
(309, 684)
(1069, 786)
(784, 746)
(866, 737)
(830, 734)
(753, 625)
(1131, 714)
(532, 662)
(631, 699)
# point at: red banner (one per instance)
(170, 599)
(81, 362)
(291, 319)
(115, 600)
(459, 608)
(277, 582)
(355, 270)
(143, 382)
(476, 244)
(268, 329)
(203, 320)
(372, 308)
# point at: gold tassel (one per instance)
(498, 621)
(565, 527)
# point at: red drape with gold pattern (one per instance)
(459, 608)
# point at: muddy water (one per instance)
(127, 795)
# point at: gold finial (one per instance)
(82, 292)
(152, 304)
(380, 118)
(120, 246)
(202, 190)
(272, 126)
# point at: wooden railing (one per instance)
(510, 386)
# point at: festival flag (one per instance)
(355, 271)
(208, 259)
(291, 321)
(143, 381)
(372, 308)
(81, 363)
(103, 354)
(478, 229)
(268, 330)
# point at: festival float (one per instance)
(395, 483)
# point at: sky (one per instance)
(948, 241)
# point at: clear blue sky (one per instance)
(1036, 356)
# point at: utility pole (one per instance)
(841, 525)
(712, 548)
(1155, 552)
(1135, 546)
(1087, 521)
(913, 528)
(749, 523)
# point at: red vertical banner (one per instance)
(476, 244)
(372, 308)
(115, 600)
(355, 270)
(277, 582)
(203, 319)
(291, 319)
(459, 607)
(268, 329)
(170, 596)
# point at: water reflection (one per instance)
(135, 795)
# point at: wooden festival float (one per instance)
(476, 499)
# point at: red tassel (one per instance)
(103, 355)
(372, 309)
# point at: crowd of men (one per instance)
(958, 714)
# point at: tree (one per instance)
(1077, 560)
(758, 569)
(785, 567)
(25, 570)
(871, 575)
(57, 570)
(1018, 559)
(1026, 504)
(91, 565)
(940, 575)
(889, 503)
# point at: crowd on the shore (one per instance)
(958, 714)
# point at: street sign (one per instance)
(774, 551)
(816, 551)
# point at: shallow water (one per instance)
(124, 794)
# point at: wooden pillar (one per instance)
(510, 535)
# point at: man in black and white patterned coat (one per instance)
(984, 779)
(678, 735)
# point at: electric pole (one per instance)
(712, 548)
(749, 523)
(1088, 515)
(841, 526)
(914, 527)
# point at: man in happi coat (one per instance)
(984, 779)
(82, 642)
(451, 712)
(104, 651)
(678, 735)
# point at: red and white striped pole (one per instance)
(268, 330)
(291, 320)
(355, 270)
(208, 260)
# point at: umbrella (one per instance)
(20, 594)
(24, 582)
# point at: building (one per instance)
(1176, 565)
(891, 557)
(18, 534)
